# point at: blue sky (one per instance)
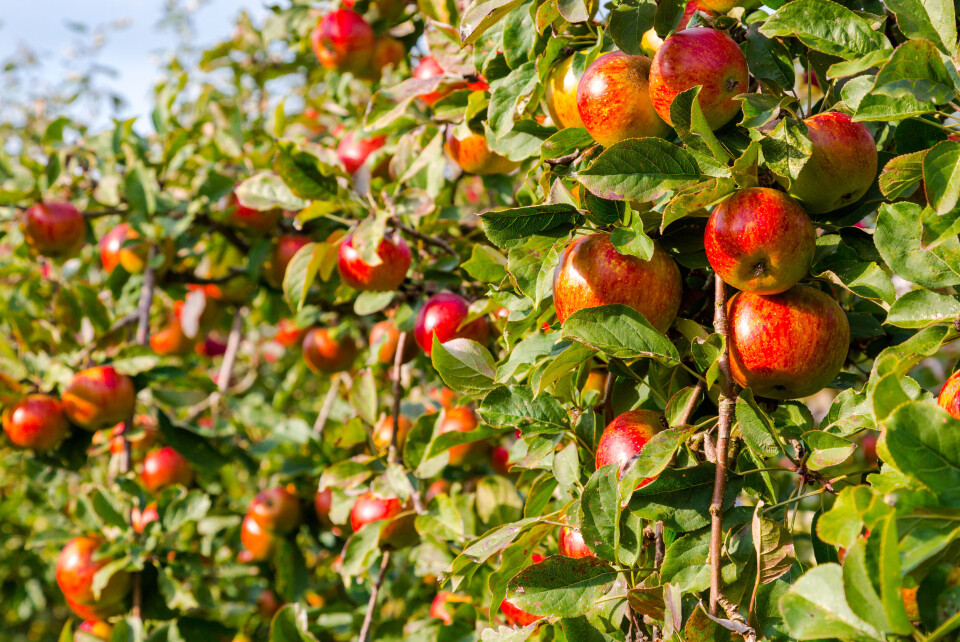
(135, 52)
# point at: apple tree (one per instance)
(505, 320)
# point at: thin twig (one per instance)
(426, 238)
(372, 603)
(100, 213)
(321, 421)
(230, 356)
(146, 300)
(394, 454)
(723, 439)
(688, 409)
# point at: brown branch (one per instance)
(394, 453)
(723, 439)
(426, 238)
(372, 603)
(688, 409)
(327, 406)
(230, 356)
(110, 212)
(563, 160)
(183, 277)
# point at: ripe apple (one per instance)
(570, 543)
(462, 419)
(596, 382)
(614, 102)
(276, 510)
(258, 542)
(438, 608)
(651, 42)
(140, 518)
(625, 436)
(97, 629)
(842, 165)
(443, 314)
(430, 68)
(760, 240)
(499, 460)
(76, 568)
(353, 151)
(116, 249)
(370, 507)
(592, 273)
(251, 220)
(949, 398)
(164, 467)
(561, 95)
(384, 337)
(700, 56)
(383, 433)
(53, 229)
(444, 396)
(99, 397)
(288, 334)
(387, 275)
(95, 611)
(322, 504)
(725, 6)
(474, 156)
(788, 345)
(170, 340)
(268, 604)
(36, 421)
(325, 352)
(284, 247)
(343, 41)
(387, 51)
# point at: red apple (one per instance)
(387, 51)
(36, 422)
(116, 249)
(592, 273)
(949, 398)
(164, 467)
(343, 41)
(99, 397)
(383, 433)
(651, 42)
(443, 315)
(276, 510)
(570, 543)
(760, 240)
(170, 340)
(474, 156)
(625, 436)
(430, 68)
(76, 568)
(560, 96)
(325, 352)
(788, 345)
(370, 507)
(95, 611)
(384, 337)
(614, 102)
(438, 608)
(461, 419)
(322, 504)
(700, 56)
(94, 629)
(288, 334)
(499, 460)
(387, 275)
(842, 165)
(249, 219)
(257, 542)
(53, 229)
(284, 247)
(353, 151)
(140, 518)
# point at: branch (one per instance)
(691, 403)
(426, 238)
(372, 604)
(563, 160)
(100, 213)
(183, 277)
(727, 398)
(394, 455)
(230, 356)
(146, 300)
(321, 421)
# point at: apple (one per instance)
(170, 340)
(140, 441)
(276, 510)
(474, 156)
(140, 518)
(387, 275)
(76, 567)
(95, 611)
(592, 273)
(462, 419)
(868, 444)
(650, 42)
(343, 41)
(99, 397)
(788, 345)
(430, 68)
(560, 96)
(444, 396)
(353, 151)
(443, 315)
(53, 229)
(387, 51)
(384, 337)
(700, 56)
(383, 433)
(284, 247)
(438, 608)
(288, 334)
(596, 382)
(251, 220)
(438, 487)
(322, 504)
(500, 460)
(325, 352)
(211, 346)
(514, 614)
(117, 248)
(614, 102)
(164, 467)
(370, 508)
(257, 542)
(570, 543)
(949, 397)
(842, 165)
(268, 604)
(36, 422)
(760, 240)
(625, 436)
(91, 629)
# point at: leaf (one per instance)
(922, 308)
(464, 365)
(825, 26)
(486, 264)
(858, 586)
(902, 174)
(695, 199)
(924, 443)
(891, 586)
(941, 176)
(506, 228)
(515, 406)
(815, 607)
(369, 302)
(266, 191)
(934, 20)
(692, 128)
(826, 449)
(480, 15)
(290, 625)
(574, 356)
(600, 512)
(561, 586)
(768, 58)
(669, 13)
(774, 547)
(916, 69)
(304, 173)
(629, 22)
(302, 271)
(897, 237)
(639, 170)
(619, 331)
(653, 458)
(507, 95)
(755, 426)
(189, 444)
(681, 498)
(787, 148)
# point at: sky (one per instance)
(135, 52)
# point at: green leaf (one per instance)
(902, 174)
(897, 237)
(302, 271)
(369, 302)
(189, 444)
(560, 586)
(681, 498)
(464, 365)
(619, 331)
(755, 426)
(826, 26)
(507, 228)
(934, 20)
(941, 176)
(826, 449)
(922, 308)
(654, 458)
(916, 69)
(773, 545)
(891, 585)
(515, 406)
(768, 58)
(267, 191)
(506, 96)
(640, 170)
(668, 16)
(600, 512)
(924, 443)
(481, 15)
(692, 128)
(574, 356)
(486, 264)
(787, 148)
(695, 199)
(290, 625)
(858, 586)
(815, 607)
(629, 22)
(305, 174)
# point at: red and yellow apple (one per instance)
(99, 397)
(560, 95)
(462, 419)
(371, 507)
(53, 229)
(625, 436)
(284, 248)
(443, 315)
(36, 421)
(383, 433)
(258, 543)
(249, 219)
(387, 275)
(385, 337)
(343, 41)
(353, 151)
(276, 510)
(949, 397)
(325, 352)
(570, 543)
(474, 156)
(164, 467)
(76, 567)
(140, 518)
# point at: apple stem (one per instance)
(372, 603)
(727, 400)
